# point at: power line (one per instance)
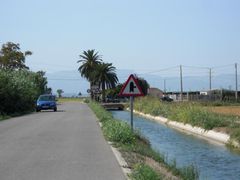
(196, 67)
(160, 70)
(223, 66)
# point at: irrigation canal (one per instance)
(213, 161)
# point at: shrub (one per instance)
(86, 100)
(144, 172)
(18, 91)
(118, 131)
(114, 130)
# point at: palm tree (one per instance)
(89, 59)
(106, 77)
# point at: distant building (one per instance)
(155, 92)
(210, 95)
(223, 94)
(205, 93)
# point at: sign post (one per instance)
(131, 89)
(131, 107)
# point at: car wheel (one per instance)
(55, 109)
(37, 110)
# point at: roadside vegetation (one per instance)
(19, 87)
(196, 114)
(145, 162)
(70, 99)
(226, 110)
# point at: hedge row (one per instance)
(19, 90)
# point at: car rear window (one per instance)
(47, 98)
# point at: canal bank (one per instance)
(211, 135)
(144, 162)
(213, 160)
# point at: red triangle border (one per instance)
(126, 83)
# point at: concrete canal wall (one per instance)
(207, 134)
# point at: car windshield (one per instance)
(46, 98)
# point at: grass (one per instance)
(143, 172)
(196, 114)
(220, 103)
(8, 116)
(226, 110)
(69, 99)
(136, 149)
(4, 117)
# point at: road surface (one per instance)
(63, 145)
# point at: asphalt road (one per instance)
(63, 145)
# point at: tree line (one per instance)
(103, 75)
(100, 74)
(19, 87)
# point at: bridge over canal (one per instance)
(113, 106)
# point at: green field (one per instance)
(69, 99)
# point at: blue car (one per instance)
(45, 102)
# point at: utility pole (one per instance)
(210, 79)
(236, 78)
(181, 83)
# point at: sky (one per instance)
(138, 35)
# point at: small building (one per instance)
(155, 92)
(223, 94)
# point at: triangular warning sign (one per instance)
(131, 88)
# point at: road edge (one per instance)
(121, 161)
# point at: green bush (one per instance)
(144, 172)
(114, 130)
(18, 91)
(86, 100)
(118, 131)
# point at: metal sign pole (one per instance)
(130, 89)
(131, 107)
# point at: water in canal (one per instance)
(214, 161)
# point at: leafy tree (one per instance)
(143, 85)
(113, 93)
(106, 77)
(18, 91)
(60, 91)
(41, 82)
(12, 58)
(89, 59)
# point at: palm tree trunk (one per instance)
(103, 92)
(91, 92)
